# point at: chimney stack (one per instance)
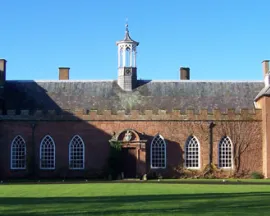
(265, 65)
(2, 72)
(64, 73)
(184, 73)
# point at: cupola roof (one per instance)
(127, 38)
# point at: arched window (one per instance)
(225, 153)
(76, 153)
(47, 153)
(192, 153)
(18, 153)
(158, 152)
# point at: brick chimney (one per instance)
(64, 73)
(265, 65)
(184, 73)
(2, 72)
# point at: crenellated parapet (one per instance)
(124, 115)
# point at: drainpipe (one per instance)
(211, 126)
(33, 160)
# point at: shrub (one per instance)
(159, 176)
(210, 176)
(257, 175)
(152, 175)
(245, 173)
(114, 160)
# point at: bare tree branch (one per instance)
(242, 134)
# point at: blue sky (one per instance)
(217, 39)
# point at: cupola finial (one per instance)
(127, 26)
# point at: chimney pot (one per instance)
(64, 73)
(184, 73)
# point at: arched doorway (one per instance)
(133, 154)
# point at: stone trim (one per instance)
(123, 115)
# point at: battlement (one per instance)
(124, 115)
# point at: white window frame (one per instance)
(11, 154)
(219, 145)
(165, 153)
(69, 152)
(40, 153)
(199, 153)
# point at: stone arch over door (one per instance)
(128, 136)
(133, 152)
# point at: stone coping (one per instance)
(92, 115)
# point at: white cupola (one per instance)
(127, 70)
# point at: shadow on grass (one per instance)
(252, 203)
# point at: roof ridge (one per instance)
(157, 81)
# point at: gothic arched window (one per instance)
(47, 153)
(158, 152)
(192, 153)
(18, 153)
(76, 153)
(225, 153)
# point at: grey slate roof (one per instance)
(151, 95)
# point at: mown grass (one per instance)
(134, 199)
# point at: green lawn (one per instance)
(134, 199)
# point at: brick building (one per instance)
(64, 127)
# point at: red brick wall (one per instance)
(97, 133)
(264, 103)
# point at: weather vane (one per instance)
(127, 24)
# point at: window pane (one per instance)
(158, 153)
(192, 153)
(18, 153)
(225, 153)
(76, 153)
(47, 153)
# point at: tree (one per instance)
(243, 134)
